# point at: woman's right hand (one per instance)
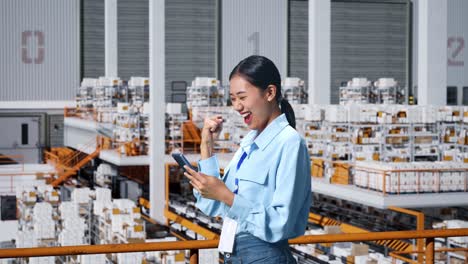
(212, 126)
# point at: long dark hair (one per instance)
(261, 72)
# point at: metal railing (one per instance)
(195, 246)
(436, 173)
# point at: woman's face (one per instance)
(254, 104)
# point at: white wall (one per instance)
(39, 49)
(257, 27)
(457, 53)
(457, 44)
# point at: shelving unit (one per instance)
(450, 149)
(126, 130)
(367, 141)
(144, 130)
(425, 142)
(315, 138)
(357, 91)
(138, 92)
(294, 91)
(175, 133)
(205, 91)
(84, 98)
(396, 143)
(389, 92)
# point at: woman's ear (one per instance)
(270, 92)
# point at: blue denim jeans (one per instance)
(250, 249)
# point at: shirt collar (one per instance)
(267, 135)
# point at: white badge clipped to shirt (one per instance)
(228, 233)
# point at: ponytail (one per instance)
(287, 109)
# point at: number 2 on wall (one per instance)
(455, 46)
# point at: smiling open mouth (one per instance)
(247, 117)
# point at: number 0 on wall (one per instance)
(26, 37)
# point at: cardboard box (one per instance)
(360, 250)
(317, 168)
(340, 173)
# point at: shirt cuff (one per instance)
(196, 194)
(240, 208)
(209, 166)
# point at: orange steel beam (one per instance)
(143, 202)
(205, 244)
(107, 249)
(347, 228)
(396, 256)
(25, 173)
(356, 237)
(178, 236)
(68, 173)
(146, 218)
(49, 156)
(429, 250)
(437, 250)
(190, 225)
(419, 226)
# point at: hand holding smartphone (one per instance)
(182, 161)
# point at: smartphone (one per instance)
(182, 161)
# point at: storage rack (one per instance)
(367, 141)
(175, 132)
(144, 131)
(294, 91)
(425, 142)
(127, 130)
(205, 91)
(357, 91)
(389, 92)
(450, 148)
(315, 138)
(138, 91)
(396, 145)
(84, 98)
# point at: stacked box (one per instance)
(336, 114)
(293, 90)
(131, 258)
(316, 113)
(363, 114)
(92, 259)
(44, 228)
(81, 195)
(42, 260)
(449, 114)
(26, 194)
(341, 173)
(408, 177)
(205, 91)
(317, 168)
(103, 195)
(68, 210)
(26, 239)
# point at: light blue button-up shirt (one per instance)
(274, 193)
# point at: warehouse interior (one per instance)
(97, 94)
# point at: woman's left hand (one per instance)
(209, 187)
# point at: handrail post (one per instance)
(194, 256)
(419, 226)
(430, 250)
